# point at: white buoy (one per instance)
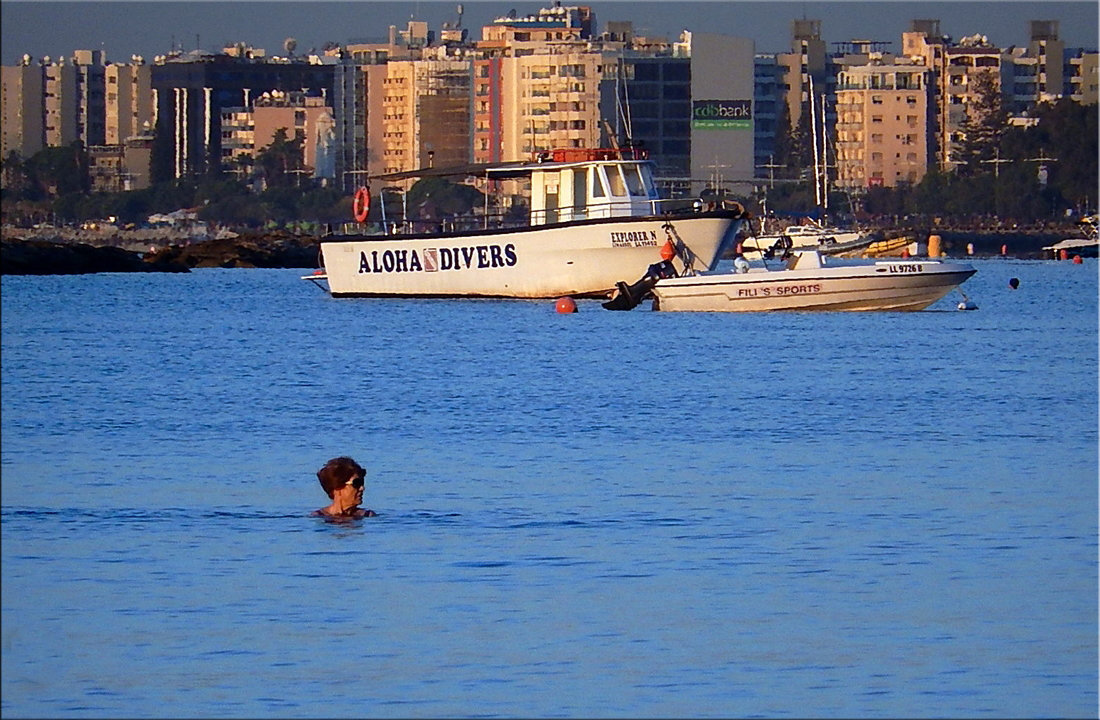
(966, 303)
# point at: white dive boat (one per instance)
(806, 280)
(811, 237)
(595, 217)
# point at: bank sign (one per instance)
(721, 114)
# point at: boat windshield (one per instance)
(615, 181)
(634, 181)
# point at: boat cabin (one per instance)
(567, 184)
(579, 184)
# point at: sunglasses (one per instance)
(356, 482)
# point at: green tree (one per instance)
(59, 170)
(984, 125)
(801, 155)
(15, 175)
(282, 159)
(435, 198)
(783, 140)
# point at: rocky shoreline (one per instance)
(53, 251)
(71, 256)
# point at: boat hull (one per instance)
(901, 286)
(582, 259)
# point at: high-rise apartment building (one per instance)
(91, 96)
(536, 85)
(128, 106)
(881, 137)
(55, 103)
(426, 111)
(22, 127)
(59, 103)
(1082, 84)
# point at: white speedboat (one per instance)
(594, 217)
(806, 280)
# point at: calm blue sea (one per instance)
(603, 514)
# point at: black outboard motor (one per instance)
(783, 243)
(629, 296)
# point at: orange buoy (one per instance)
(1063, 254)
(566, 305)
(1077, 260)
(360, 204)
(668, 251)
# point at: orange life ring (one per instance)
(360, 204)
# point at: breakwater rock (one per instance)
(50, 257)
(43, 257)
(273, 250)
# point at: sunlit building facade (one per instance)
(881, 130)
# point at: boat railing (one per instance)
(613, 208)
(511, 219)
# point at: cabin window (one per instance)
(634, 180)
(579, 197)
(649, 189)
(615, 181)
(597, 184)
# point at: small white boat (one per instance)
(828, 240)
(594, 216)
(1086, 246)
(806, 280)
(811, 236)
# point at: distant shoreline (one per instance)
(67, 250)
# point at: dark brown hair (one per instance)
(337, 472)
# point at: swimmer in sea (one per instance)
(343, 481)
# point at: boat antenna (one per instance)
(624, 108)
(612, 136)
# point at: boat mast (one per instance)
(813, 135)
(625, 107)
(824, 157)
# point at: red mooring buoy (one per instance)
(566, 305)
(1077, 260)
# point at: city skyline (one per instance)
(153, 27)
